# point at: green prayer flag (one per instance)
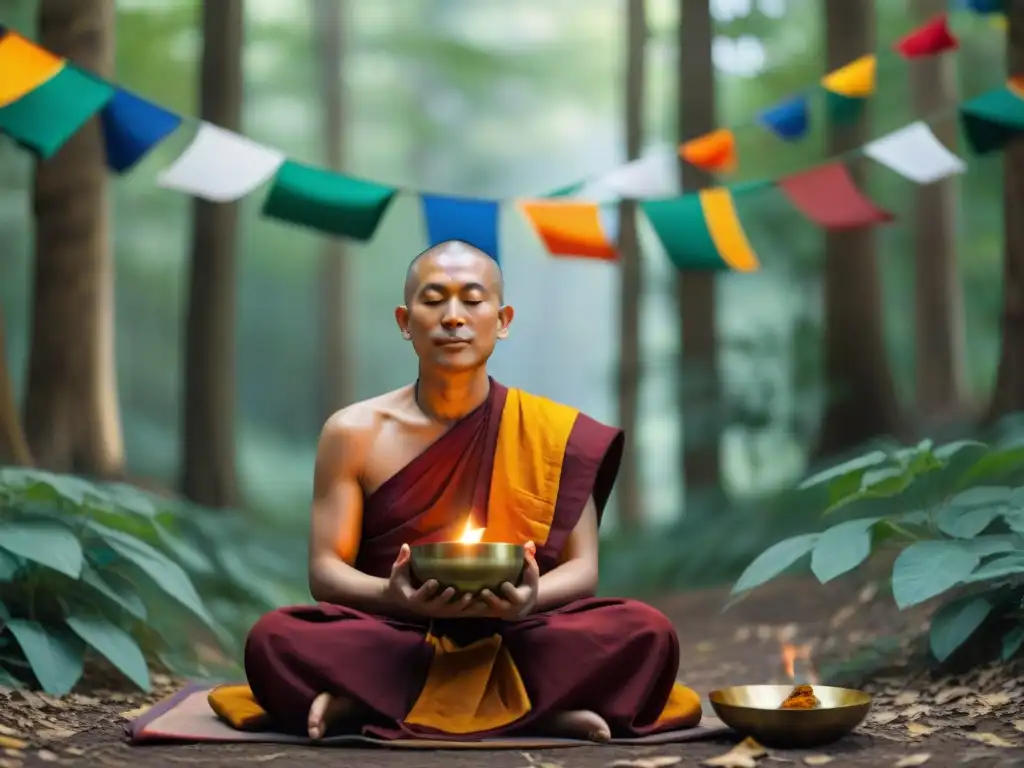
(992, 119)
(843, 110)
(328, 201)
(45, 119)
(566, 191)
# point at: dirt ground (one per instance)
(916, 719)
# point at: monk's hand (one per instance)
(426, 600)
(514, 602)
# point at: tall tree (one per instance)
(938, 316)
(1008, 396)
(13, 445)
(338, 359)
(72, 416)
(862, 398)
(209, 474)
(630, 281)
(695, 291)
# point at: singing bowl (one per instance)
(468, 567)
(753, 710)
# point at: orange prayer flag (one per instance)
(715, 151)
(569, 228)
(24, 66)
(1016, 86)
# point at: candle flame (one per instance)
(471, 535)
(791, 654)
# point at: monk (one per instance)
(393, 658)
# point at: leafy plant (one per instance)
(110, 569)
(955, 513)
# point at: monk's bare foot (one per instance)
(578, 724)
(327, 709)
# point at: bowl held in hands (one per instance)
(468, 567)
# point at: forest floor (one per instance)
(918, 718)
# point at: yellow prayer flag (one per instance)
(856, 80)
(998, 21)
(726, 231)
(24, 66)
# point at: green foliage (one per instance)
(109, 569)
(955, 513)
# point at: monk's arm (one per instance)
(575, 577)
(337, 518)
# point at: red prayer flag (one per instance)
(827, 196)
(927, 40)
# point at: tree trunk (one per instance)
(698, 375)
(13, 445)
(862, 399)
(1008, 396)
(630, 504)
(72, 417)
(338, 375)
(209, 475)
(938, 316)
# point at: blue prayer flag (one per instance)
(132, 126)
(462, 218)
(789, 120)
(985, 6)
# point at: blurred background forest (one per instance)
(489, 98)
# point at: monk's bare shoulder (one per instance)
(350, 432)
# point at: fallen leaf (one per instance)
(1019, 725)
(47, 756)
(951, 694)
(996, 699)
(274, 756)
(648, 762)
(818, 759)
(914, 712)
(920, 729)
(911, 761)
(10, 763)
(131, 714)
(742, 635)
(159, 679)
(841, 616)
(867, 594)
(883, 718)
(765, 632)
(787, 633)
(75, 751)
(990, 739)
(743, 755)
(9, 742)
(51, 734)
(5, 731)
(906, 698)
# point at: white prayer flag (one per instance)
(654, 175)
(221, 166)
(916, 154)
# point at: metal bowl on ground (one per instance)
(468, 567)
(753, 710)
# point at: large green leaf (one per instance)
(842, 548)
(982, 496)
(123, 594)
(962, 523)
(999, 567)
(46, 542)
(40, 485)
(949, 450)
(9, 566)
(113, 643)
(774, 561)
(855, 465)
(955, 622)
(130, 498)
(57, 658)
(929, 568)
(164, 572)
(1012, 641)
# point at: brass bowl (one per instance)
(468, 567)
(753, 710)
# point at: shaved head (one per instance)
(454, 252)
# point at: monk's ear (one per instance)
(402, 318)
(505, 315)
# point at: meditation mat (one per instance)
(187, 717)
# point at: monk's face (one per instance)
(454, 313)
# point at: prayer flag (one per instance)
(570, 228)
(986, 6)
(655, 174)
(992, 119)
(24, 66)
(915, 153)
(328, 201)
(132, 126)
(46, 118)
(843, 110)
(715, 151)
(930, 38)
(220, 165)
(567, 191)
(462, 218)
(701, 231)
(789, 119)
(854, 80)
(1016, 85)
(827, 196)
